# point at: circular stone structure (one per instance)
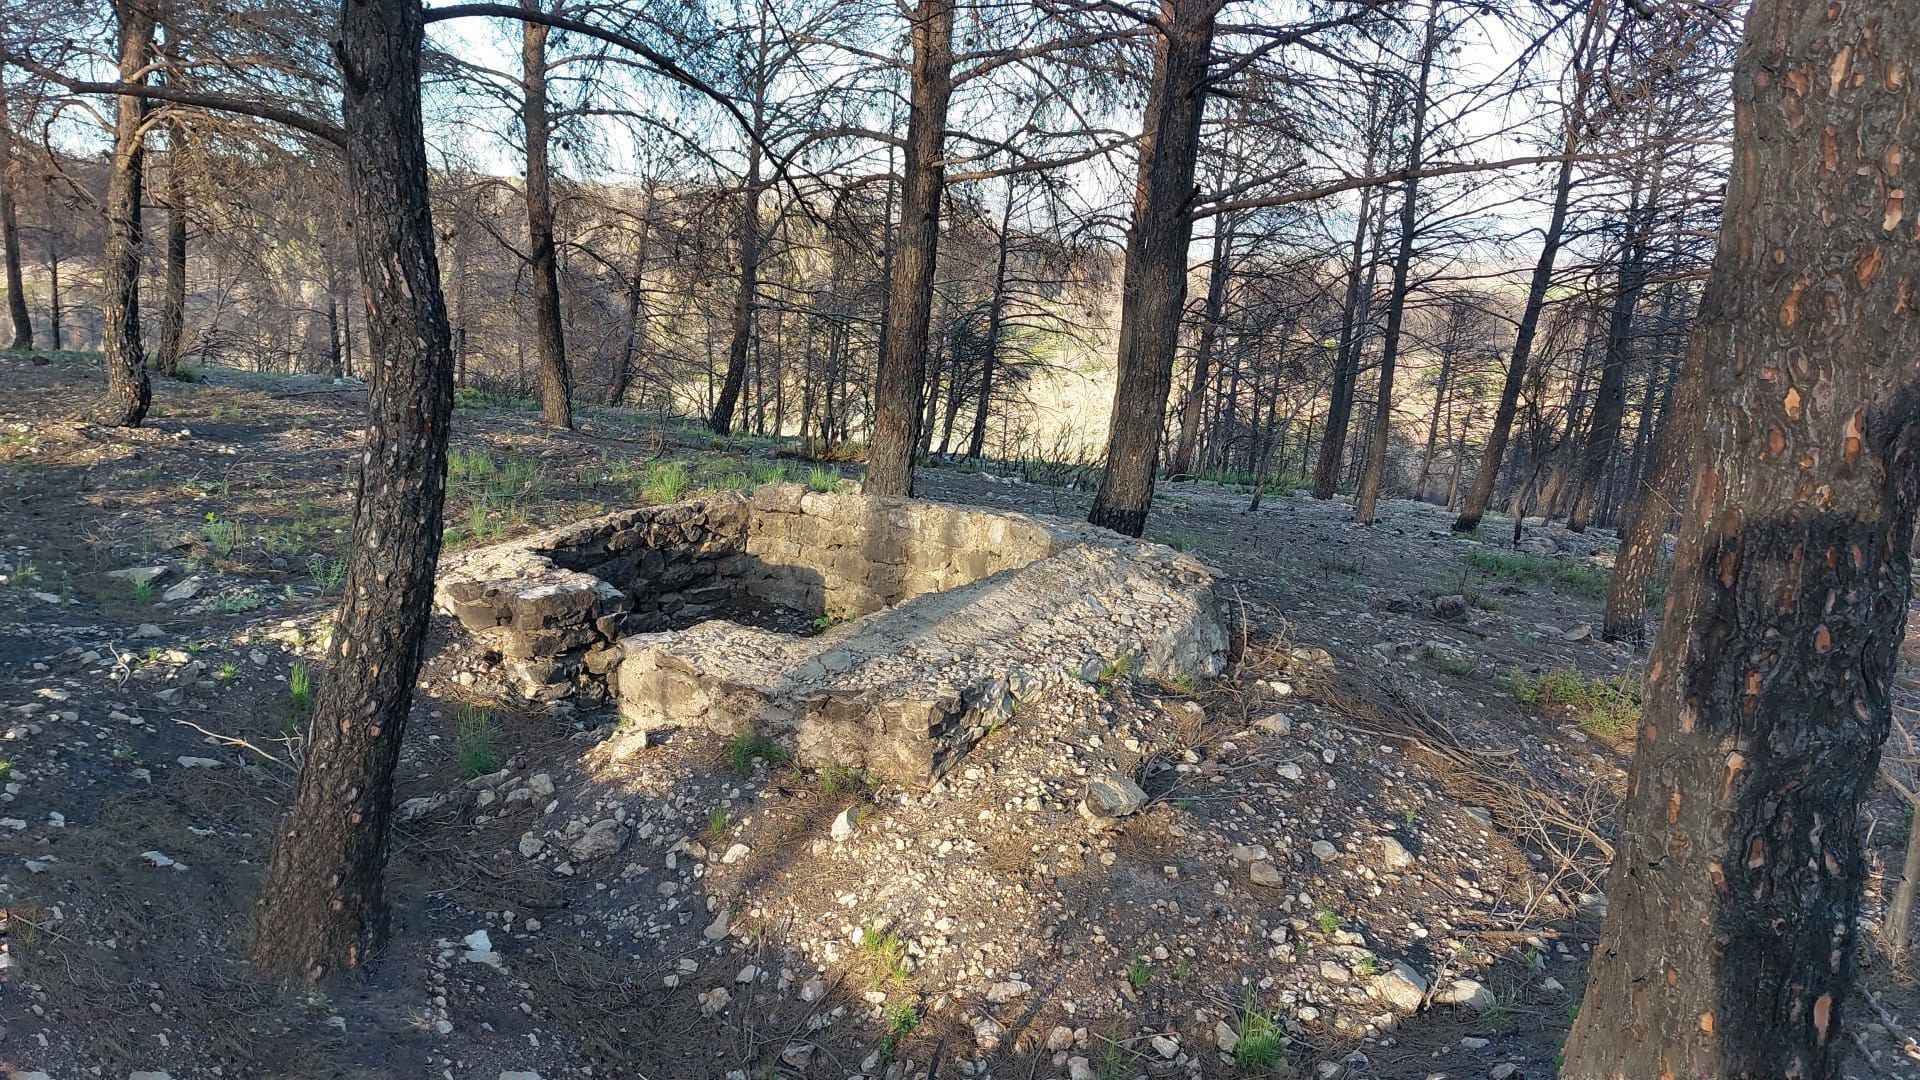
(939, 619)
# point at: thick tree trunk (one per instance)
(322, 909)
(173, 296)
(556, 381)
(124, 404)
(1735, 893)
(1649, 508)
(1480, 495)
(1155, 283)
(903, 342)
(1219, 272)
(1369, 495)
(10, 235)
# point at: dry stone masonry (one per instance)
(939, 619)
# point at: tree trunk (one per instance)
(54, 314)
(10, 235)
(556, 381)
(1480, 495)
(634, 338)
(903, 345)
(322, 909)
(1346, 362)
(1218, 274)
(173, 296)
(1610, 398)
(128, 393)
(1448, 346)
(996, 319)
(1735, 893)
(749, 239)
(1649, 509)
(1370, 481)
(1155, 283)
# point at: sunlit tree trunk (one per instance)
(903, 340)
(322, 909)
(1346, 361)
(1155, 281)
(1735, 892)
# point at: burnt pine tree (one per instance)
(1643, 527)
(903, 343)
(1480, 495)
(1369, 494)
(1728, 949)
(536, 121)
(322, 910)
(10, 235)
(1154, 285)
(173, 295)
(128, 392)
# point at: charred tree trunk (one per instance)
(128, 392)
(996, 321)
(1610, 398)
(54, 313)
(749, 240)
(322, 910)
(1155, 283)
(1735, 893)
(556, 381)
(1649, 509)
(10, 235)
(634, 337)
(173, 296)
(1480, 495)
(1218, 274)
(1346, 361)
(1369, 494)
(903, 344)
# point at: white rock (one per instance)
(1079, 1068)
(1109, 797)
(1502, 1071)
(524, 1074)
(185, 590)
(1059, 1038)
(604, 837)
(1394, 855)
(1248, 853)
(138, 576)
(844, 823)
(735, 854)
(717, 929)
(187, 762)
(158, 858)
(541, 783)
(1225, 1037)
(1469, 992)
(1277, 724)
(747, 974)
(1264, 873)
(1324, 850)
(1002, 992)
(1166, 1046)
(1401, 987)
(1289, 771)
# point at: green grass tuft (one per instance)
(743, 750)
(1573, 575)
(300, 686)
(1610, 710)
(474, 750)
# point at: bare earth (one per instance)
(1356, 841)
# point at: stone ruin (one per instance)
(894, 632)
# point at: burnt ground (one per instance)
(1363, 791)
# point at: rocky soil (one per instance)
(1354, 856)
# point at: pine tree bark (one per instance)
(1154, 287)
(1368, 497)
(173, 294)
(749, 240)
(549, 334)
(322, 909)
(1735, 893)
(10, 234)
(903, 342)
(128, 393)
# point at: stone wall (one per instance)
(956, 615)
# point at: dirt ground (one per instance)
(1372, 746)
